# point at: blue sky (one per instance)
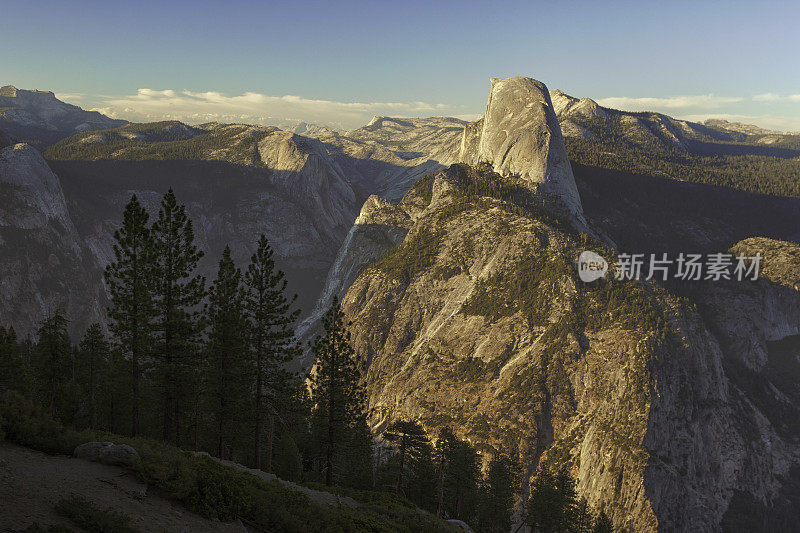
(342, 62)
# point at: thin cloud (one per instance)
(257, 108)
(772, 97)
(770, 122)
(708, 101)
(767, 97)
(70, 96)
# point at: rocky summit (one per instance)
(40, 118)
(520, 136)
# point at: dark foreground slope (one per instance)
(169, 489)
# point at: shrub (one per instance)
(25, 423)
(91, 518)
(412, 256)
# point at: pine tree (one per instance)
(227, 373)
(53, 363)
(565, 486)
(603, 523)
(583, 521)
(114, 407)
(271, 320)
(552, 503)
(444, 442)
(131, 312)
(410, 443)
(177, 294)
(497, 496)
(336, 392)
(15, 372)
(458, 476)
(91, 363)
(423, 479)
(464, 477)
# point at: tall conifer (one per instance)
(273, 341)
(336, 392)
(178, 292)
(128, 279)
(228, 375)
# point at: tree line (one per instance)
(205, 368)
(746, 170)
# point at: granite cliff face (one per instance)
(477, 320)
(480, 334)
(380, 226)
(42, 257)
(39, 117)
(519, 136)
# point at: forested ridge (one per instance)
(743, 162)
(162, 141)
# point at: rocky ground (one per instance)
(32, 483)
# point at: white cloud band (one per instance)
(190, 106)
(673, 102)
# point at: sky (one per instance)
(340, 63)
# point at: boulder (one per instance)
(106, 452)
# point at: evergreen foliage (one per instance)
(554, 506)
(271, 333)
(129, 282)
(91, 368)
(496, 498)
(338, 418)
(15, 370)
(177, 292)
(754, 168)
(458, 476)
(53, 365)
(411, 444)
(227, 371)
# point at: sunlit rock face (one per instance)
(520, 136)
(672, 413)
